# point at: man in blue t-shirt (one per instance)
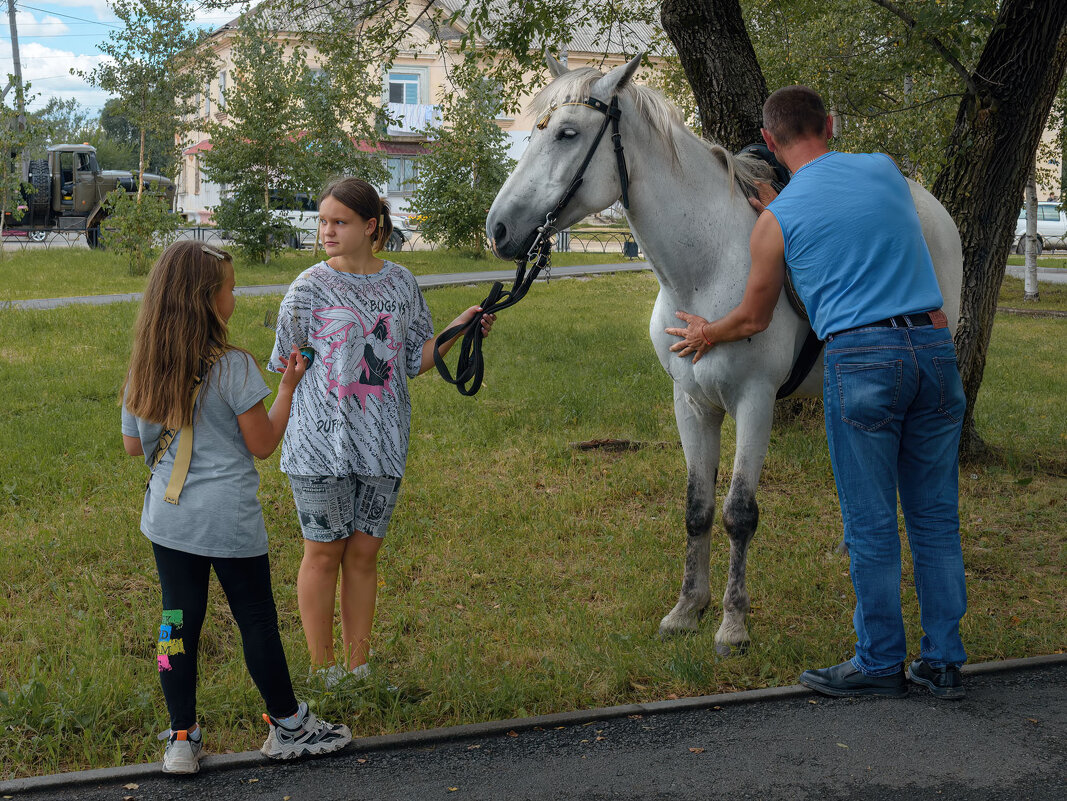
(847, 228)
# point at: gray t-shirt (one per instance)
(352, 412)
(218, 513)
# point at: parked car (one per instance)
(305, 221)
(1051, 227)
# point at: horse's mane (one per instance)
(661, 115)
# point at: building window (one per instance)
(207, 100)
(402, 175)
(403, 87)
(222, 90)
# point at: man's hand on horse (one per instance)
(766, 195)
(693, 340)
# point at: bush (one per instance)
(258, 231)
(138, 229)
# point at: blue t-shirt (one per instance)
(853, 242)
(218, 513)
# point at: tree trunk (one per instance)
(140, 169)
(720, 65)
(989, 157)
(1030, 270)
(266, 205)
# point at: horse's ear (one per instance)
(617, 78)
(554, 67)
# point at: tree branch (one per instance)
(934, 42)
(868, 116)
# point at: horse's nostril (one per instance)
(500, 232)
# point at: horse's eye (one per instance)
(566, 133)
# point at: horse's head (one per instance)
(565, 134)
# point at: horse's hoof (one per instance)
(674, 624)
(725, 649)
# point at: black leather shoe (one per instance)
(846, 680)
(943, 682)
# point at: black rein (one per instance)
(470, 368)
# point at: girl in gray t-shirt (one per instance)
(347, 442)
(193, 408)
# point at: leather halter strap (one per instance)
(612, 114)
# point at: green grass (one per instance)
(73, 272)
(1043, 261)
(1051, 296)
(520, 575)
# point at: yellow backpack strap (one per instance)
(184, 456)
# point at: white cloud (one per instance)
(100, 7)
(48, 70)
(29, 26)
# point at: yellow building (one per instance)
(411, 89)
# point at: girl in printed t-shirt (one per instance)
(347, 441)
(204, 397)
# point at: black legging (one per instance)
(183, 578)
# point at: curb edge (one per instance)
(246, 759)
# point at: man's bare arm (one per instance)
(754, 313)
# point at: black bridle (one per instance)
(471, 367)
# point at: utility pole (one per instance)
(20, 95)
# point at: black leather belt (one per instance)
(900, 321)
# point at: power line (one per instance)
(68, 16)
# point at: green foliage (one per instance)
(154, 69)
(891, 88)
(465, 167)
(138, 228)
(256, 228)
(119, 141)
(285, 135)
(16, 136)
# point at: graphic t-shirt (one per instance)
(352, 411)
(218, 513)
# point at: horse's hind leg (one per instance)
(740, 515)
(700, 430)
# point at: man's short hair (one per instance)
(794, 112)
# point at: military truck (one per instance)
(68, 190)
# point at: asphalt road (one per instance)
(1045, 275)
(1006, 740)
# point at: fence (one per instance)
(568, 241)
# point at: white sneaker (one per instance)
(183, 753)
(359, 671)
(312, 736)
(330, 676)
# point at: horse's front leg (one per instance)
(740, 515)
(700, 430)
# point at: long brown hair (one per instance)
(363, 199)
(177, 330)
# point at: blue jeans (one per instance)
(894, 407)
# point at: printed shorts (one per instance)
(331, 508)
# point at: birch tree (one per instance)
(154, 69)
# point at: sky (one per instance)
(56, 36)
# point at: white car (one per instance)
(1051, 227)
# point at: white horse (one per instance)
(687, 209)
